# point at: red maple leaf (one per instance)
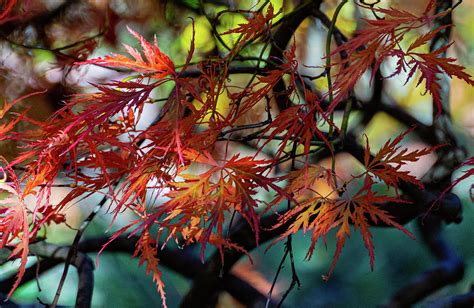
(381, 39)
(156, 64)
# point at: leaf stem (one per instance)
(328, 52)
(328, 76)
(345, 118)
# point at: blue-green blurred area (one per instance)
(119, 282)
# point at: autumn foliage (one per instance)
(182, 176)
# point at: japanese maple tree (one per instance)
(185, 178)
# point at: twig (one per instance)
(80, 261)
(73, 253)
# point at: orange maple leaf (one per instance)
(156, 63)
(147, 249)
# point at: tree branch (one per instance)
(42, 19)
(80, 261)
(450, 268)
(179, 261)
(207, 282)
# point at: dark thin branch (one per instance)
(373, 106)
(30, 274)
(57, 49)
(231, 70)
(73, 254)
(449, 208)
(7, 303)
(452, 156)
(208, 280)
(40, 20)
(281, 38)
(80, 261)
(425, 132)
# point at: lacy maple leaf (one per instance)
(321, 205)
(14, 226)
(156, 63)
(381, 39)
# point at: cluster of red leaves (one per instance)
(7, 8)
(381, 39)
(256, 25)
(319, 209)
(95, 143)
(386, 164)
(298, 124)
(13, 10)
